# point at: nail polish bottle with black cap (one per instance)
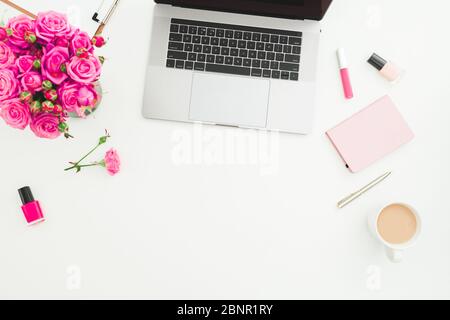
(31, 208)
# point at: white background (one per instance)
(172, 228)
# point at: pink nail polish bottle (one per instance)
(31, 208)
(387, 69)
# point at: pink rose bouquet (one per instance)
(48, 71)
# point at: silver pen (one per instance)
(363, 190)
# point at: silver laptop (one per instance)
(243, 63)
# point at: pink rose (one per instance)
(32, 82)
(81, 40)
(20, 26)
(50, 25)
(84, 70)
(68, 96)
(9, 85)
(15, 113)
(87, 96)
(51, 64)
(25, 63)
(45, 125)
(6, 56)
(112, 162)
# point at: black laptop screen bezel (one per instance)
(311, 9)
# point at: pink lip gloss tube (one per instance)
(345, 75)
(31, 208)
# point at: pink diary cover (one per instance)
(370, 134)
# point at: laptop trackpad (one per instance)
(228, 100)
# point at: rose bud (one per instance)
(26, 96)
(47, 85)
(98, 41)
(102, 59)
(3, 34)
(37, 64)
(63, 127)
(35, 106)
(82, 53)
(30, 37)
(57, 109)
(47, 106)
(51, 95)
(63, 68)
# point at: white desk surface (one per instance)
(178, 223)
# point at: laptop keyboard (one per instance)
(238, 50)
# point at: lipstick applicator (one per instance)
(31, 208)
(345, 74)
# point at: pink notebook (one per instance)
(371, 134)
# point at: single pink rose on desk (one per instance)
(51, 64)
(51, 25)
(15, 113)
(112, 162)
(84, 70)
(25, 63)
(20, 26)
(9, 86)
(45, 125)
(7, 57)
(32, 82)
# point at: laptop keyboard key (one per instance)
(265, 38)
(220, 33)
(220, 59)
(232, 43)
(252, 54)
(179, 55)
(284, 75)
(176, 37)
(260, 46)
(284, 40)
(228, 60)
(243, 53)
(202, 31)
(238, 61)
(207, 49)
(229, 34)
(187, 38)
(170, 63)
(211, 32)
(197, 48)
(196, 39)
(210, 58)
(192, 57)
(247, 62)
(228, 69)
(238, 35)
(205, 40)
(295, 41)
(188, 47)
(289, 67)
(292, 58)
(265, 64)
(270, 56)
(247, 36)
(192, 30)
(294, 76)
(280, 57)
(183, 29)
(266, 73)
(189, 65)
(278, 48)
(179, 64)
(256, 64)
(214, 41)
(199, 66)
(234, 52)
(216, 50)
(256, 72)
(256, 37)
(274, 39)
(176, 46)
(296, 50)
(275, 74)
(201, 57)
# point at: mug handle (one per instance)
(394, 255)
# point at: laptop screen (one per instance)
(296, 9)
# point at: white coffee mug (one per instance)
(395, 251)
